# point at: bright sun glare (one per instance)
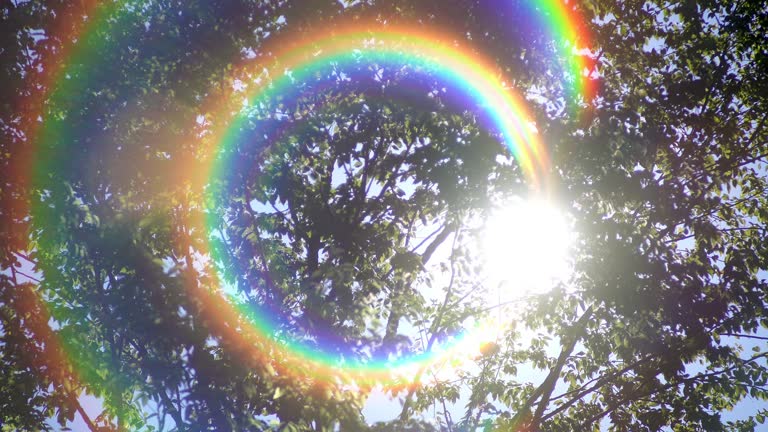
(525, 246)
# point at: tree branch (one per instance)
(544, 391)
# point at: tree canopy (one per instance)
(168, 244)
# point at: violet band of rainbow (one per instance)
(465, 72)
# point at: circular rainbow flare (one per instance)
(482, 88)
(458, 65)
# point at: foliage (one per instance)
(662, 172)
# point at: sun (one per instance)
(525, 247)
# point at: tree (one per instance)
(336, 217)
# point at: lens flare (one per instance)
(66, 72)
(563, 21)
(465, 71)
